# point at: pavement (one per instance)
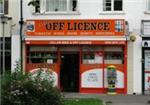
(114, 99)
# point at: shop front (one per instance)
(78, 52)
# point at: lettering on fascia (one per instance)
(85, 26)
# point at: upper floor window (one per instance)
(1, 6)
(113, 5)
(148, 5)
(61, 5)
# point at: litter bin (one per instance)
(111, 79)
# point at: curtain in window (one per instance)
(107, 5)
(56, 5)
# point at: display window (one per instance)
(113, 57)
(41, 55)
(91, 58)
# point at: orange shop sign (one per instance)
(97, 27)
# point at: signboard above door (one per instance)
(81, 27)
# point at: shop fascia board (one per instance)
(75, 38)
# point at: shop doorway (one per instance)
(69, 72)
(146, 71)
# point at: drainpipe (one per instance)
(21, 22)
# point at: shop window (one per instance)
(61, 5)
(91, 58)
(113, 5)
(113, 58)
(42, 55)
(91, 48)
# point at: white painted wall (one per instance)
(6, 27)
(15, 52)
(137, 67)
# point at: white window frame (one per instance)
(43, 8)
(112, 11)
(2, 7)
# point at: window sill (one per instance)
(58, 13)
(112, 13)
(1, 13)
(147, 12)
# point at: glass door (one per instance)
(147, 72)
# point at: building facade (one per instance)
(77, 40)
(5, 37)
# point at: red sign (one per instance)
(114, 27)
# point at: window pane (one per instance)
(1, 6)
(62, 5)
(148, 5)
(117, 5)
(107, 5)
(88, 58)
(113, 58)
(5, 6)
(56, 5)
(73, 5)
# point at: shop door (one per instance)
(69, 74)
(146, 72)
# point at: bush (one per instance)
(23, 89)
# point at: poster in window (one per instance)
(92, 79)
(49, 61)
(98, 58)
(147, 82)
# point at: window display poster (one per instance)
(49, 61)
(98, 58)
(92, 79)
(147, 82)
(147, 60)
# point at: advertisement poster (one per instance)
(147, 82)
(92, 79)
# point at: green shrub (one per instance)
(21, 89)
